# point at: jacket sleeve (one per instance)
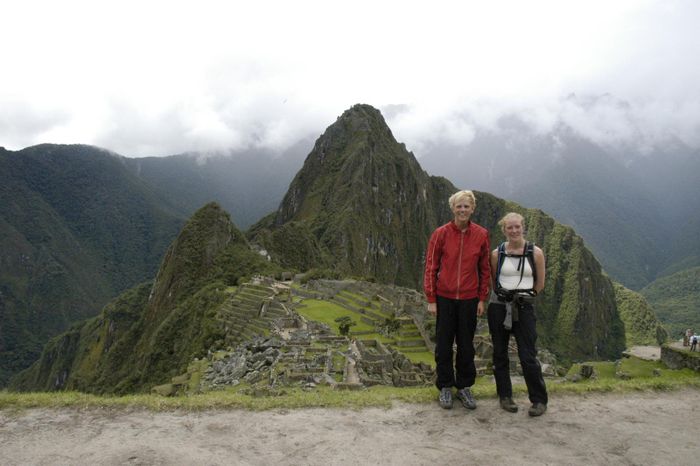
(484, 269)
(432, 265)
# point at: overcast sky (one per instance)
(162, 77)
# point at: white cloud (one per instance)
(155, 78)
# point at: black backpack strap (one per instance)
(530, 254)
(501, 258)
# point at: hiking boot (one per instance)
(537, 409)
(445, 398)
(466, 397)
(509, 405)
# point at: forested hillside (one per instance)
(676, 301)
(76, 229)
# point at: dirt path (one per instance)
(637, 428)
(650, 353)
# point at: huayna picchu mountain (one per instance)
(361, 206)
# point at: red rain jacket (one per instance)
(457, 263)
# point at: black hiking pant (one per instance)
(524, 330)
(456, 322)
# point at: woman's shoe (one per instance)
(537, 409)
(509, 405)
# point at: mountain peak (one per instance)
(355, 157)
(191, 257)
(357, 123)
(362, 115)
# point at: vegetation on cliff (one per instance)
(642, 327)
(76, 229)
(151, 333)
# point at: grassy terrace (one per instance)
(326, 312)
(241, 397)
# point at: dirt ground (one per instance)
(638, 428)
(650, 353)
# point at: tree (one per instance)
(344, 324)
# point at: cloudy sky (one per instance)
(163, 77)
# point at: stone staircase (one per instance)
(249, 312)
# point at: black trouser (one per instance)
(526, 337)
(456, 320)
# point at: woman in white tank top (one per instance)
(508, 314)
(516, 272)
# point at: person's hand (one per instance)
(432, 309)
(480, 308)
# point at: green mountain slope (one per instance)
(675, 300)
(76, 229)
(151, 332)
(642, 327)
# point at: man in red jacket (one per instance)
(456, 285)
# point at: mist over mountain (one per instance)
(249, 183)
(633, 209)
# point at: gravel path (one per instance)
(638, 428)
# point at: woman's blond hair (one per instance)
(511, 216)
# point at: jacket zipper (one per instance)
(459, 263)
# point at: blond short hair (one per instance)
(511, 216)
(459, 195)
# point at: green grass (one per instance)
(642, 374)
(326, 312)
(323, 396)
(635, 367)
(603, 369)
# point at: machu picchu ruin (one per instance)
(280, 334)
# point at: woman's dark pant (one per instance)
(525, 333)
(456, 321)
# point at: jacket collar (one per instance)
(454, 226)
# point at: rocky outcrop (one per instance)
(676, 358)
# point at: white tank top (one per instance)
(509, 277)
